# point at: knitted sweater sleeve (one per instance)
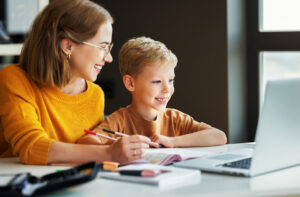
(20, 118)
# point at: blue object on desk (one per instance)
(25, 184)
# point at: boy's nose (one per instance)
(167, 88)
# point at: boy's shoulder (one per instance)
(172, 111)
(175, 113)
(119, 113)
(116, 120)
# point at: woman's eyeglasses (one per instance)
(105, 46)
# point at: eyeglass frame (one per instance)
(107, 44)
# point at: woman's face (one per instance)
(88, 58)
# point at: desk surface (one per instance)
(280, 183)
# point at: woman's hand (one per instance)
(167, 142)
(129, 148)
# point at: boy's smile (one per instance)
(153, 88)
(162, 101)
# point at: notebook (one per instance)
(277, 136)
(174, 178)
(166, 156)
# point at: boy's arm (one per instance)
(207, 137)
(191, 133)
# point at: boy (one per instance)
(147, 68)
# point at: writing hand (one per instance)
(129, 148)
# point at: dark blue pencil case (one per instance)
(24, 184)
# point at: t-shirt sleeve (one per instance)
(186, 124)
(20, 121)
(113, 122)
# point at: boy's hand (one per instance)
(166, 141)
(89, 139)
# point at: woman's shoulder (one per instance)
(15, 82)
(11, 71)
(95, 88)
(13, 74)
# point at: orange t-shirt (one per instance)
(170, 123)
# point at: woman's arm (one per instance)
(124, 150)
(89, 139)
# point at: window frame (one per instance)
(258, 42)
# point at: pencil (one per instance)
(115, 132)
(100, 135)
(143, 172)
(154, 144)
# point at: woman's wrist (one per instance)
(102, 153)
(109, 153)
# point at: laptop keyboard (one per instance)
(227, 156)
(244, 164)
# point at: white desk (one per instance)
(280, 183)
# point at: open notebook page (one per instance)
(168, 155)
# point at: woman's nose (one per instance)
(108, 58)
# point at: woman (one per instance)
(49, 99)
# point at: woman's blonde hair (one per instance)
(42, 57)
(136, 53)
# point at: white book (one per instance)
(173, 178)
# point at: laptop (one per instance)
(277, 137)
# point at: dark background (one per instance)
(207, 36)
(196, 32)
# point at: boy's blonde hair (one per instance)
(136, 53)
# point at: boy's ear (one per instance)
(129, 83)
(66, 46)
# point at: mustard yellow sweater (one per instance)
(32, 117)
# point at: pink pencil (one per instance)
(154, 144)
(115, 132)
(100, 135)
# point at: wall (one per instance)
(196, 31)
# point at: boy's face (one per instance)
(153, 87)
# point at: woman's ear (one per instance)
(129, 83)
(66, 46)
